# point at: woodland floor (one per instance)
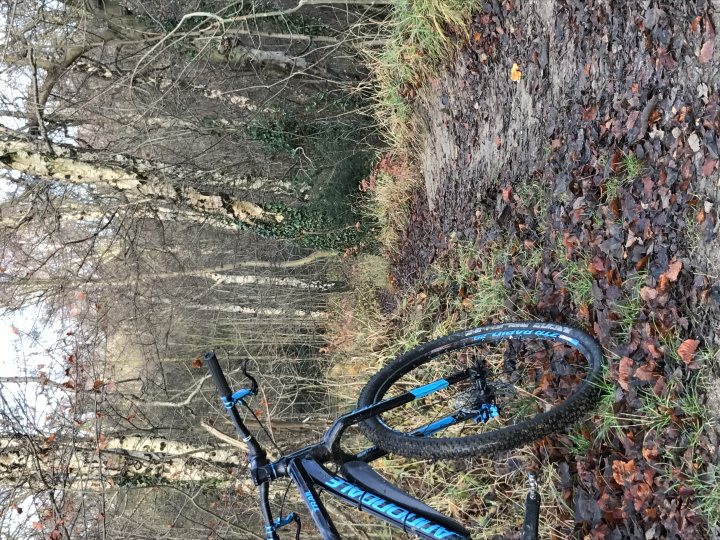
(544, 161)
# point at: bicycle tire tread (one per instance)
(563, 415)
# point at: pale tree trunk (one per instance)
(137, 180)
(217, 275)
(256, 311)
(94, 464)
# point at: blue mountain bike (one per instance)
(471, 393)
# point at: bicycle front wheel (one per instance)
(485, 390)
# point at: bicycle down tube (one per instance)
(308, 473)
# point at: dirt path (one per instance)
(605, 87)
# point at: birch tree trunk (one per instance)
(93, 464)
(136, 180)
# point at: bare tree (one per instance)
(156, 160)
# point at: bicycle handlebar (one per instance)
(218, 376)
(256, 455)
(266, 513)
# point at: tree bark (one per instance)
(93, 464)
(136, 179)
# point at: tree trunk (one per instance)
(137, 180)
(93, 464)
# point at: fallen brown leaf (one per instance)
(623, 471)
(624, 372)
(640, 494)
(674, 270)
(645, 372)
(708, 166)
(648, 293)
(695, 24)
(663, 284)
(687, 349)
(590, 113)
(706, 52)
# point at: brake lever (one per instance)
(236, 397)
(253, 382)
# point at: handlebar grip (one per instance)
(218, 376)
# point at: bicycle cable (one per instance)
(282, 502)
(287, 489)
(255, 416)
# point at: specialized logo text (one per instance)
(393, 511)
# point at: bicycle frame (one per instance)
(307, 474)
(305, 467)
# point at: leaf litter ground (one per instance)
(582, 137)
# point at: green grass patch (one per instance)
(471, 282)
(612, 185)
(606, 420)
(580, 445)
(688, 411)
(535, 196)
(576, 275)
(632, 166)
(707, 494)
(631, 306)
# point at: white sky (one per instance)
(26, 345)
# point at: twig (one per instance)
(171, 404)
(302, 3)
(216, 516)
(220, 435)
(37, 105)
(167, 36)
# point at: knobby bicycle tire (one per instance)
(564, 414)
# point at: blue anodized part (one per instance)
(428, 389)
(436, 426)
(487, 412)
(282, 522)
(230, 401)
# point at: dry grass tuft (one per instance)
(391, 184)
(359, 331)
